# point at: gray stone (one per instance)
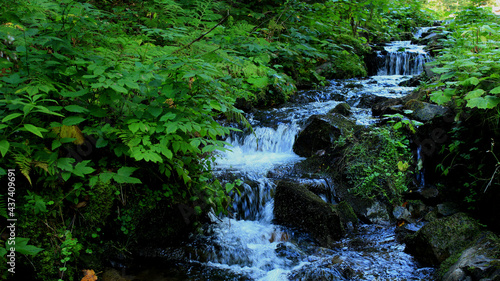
(423, 111)
(377, 213)
(401, 213)
(479, 262)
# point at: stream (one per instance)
(247, 245)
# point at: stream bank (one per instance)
(256, 243)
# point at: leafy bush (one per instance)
(377, 164)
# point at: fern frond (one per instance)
(24, 164)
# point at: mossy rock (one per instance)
(347, 213)
(342, 109)
(481, 261)
(442, 238)
(296, 206)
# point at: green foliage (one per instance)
(111, 108)
(377, 164)
(468, 69)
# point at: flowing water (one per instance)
(246, 245)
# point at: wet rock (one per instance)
(341, 108)
(296, 206)
(412, 82)
(447, 209)
(366, 100)
(479, 262)
(423, 111)
(432, 38)
(389, 106)
(417, 209)
(441, 238)
(289, 252)
(401, 213)
(317, 134)
(377, 213)
(332, 269)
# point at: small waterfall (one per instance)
(402, 58)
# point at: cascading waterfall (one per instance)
(246, 245)
(402, 58)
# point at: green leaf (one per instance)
(118, 88)
(75, 108)
(470, 81)
(495, 90)
(440, 70)
(126, 171)
(56, 144)
(73, 120)
(11, 116)
(134, 127)
(132, 84)
(155, 111)
(81, 169)
(65, 164)
(215, 105)
(474, 94)
(105, 177)
(123, 175)
(4, 147)
(101, 143)
(35, 130)
(168, 116)
(171, 128)
(487, 102)
(68, 94)
(21, 245)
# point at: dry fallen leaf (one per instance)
(89, 275)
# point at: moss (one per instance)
(347, 213)
(447, 264)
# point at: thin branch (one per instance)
(204, 34)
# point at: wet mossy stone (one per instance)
(341, 108)
(296, 206)
(442, 238)
(478, 262)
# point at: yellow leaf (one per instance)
(70, 132)
(403, 166)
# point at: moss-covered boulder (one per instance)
(342, 109)
(442, 238)
(296, 206)
(478, 262)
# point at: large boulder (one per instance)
(478, 262)
(296, 206)
(442, 238)
(318, 134)
(423, 111)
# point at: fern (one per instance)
(24, 164)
